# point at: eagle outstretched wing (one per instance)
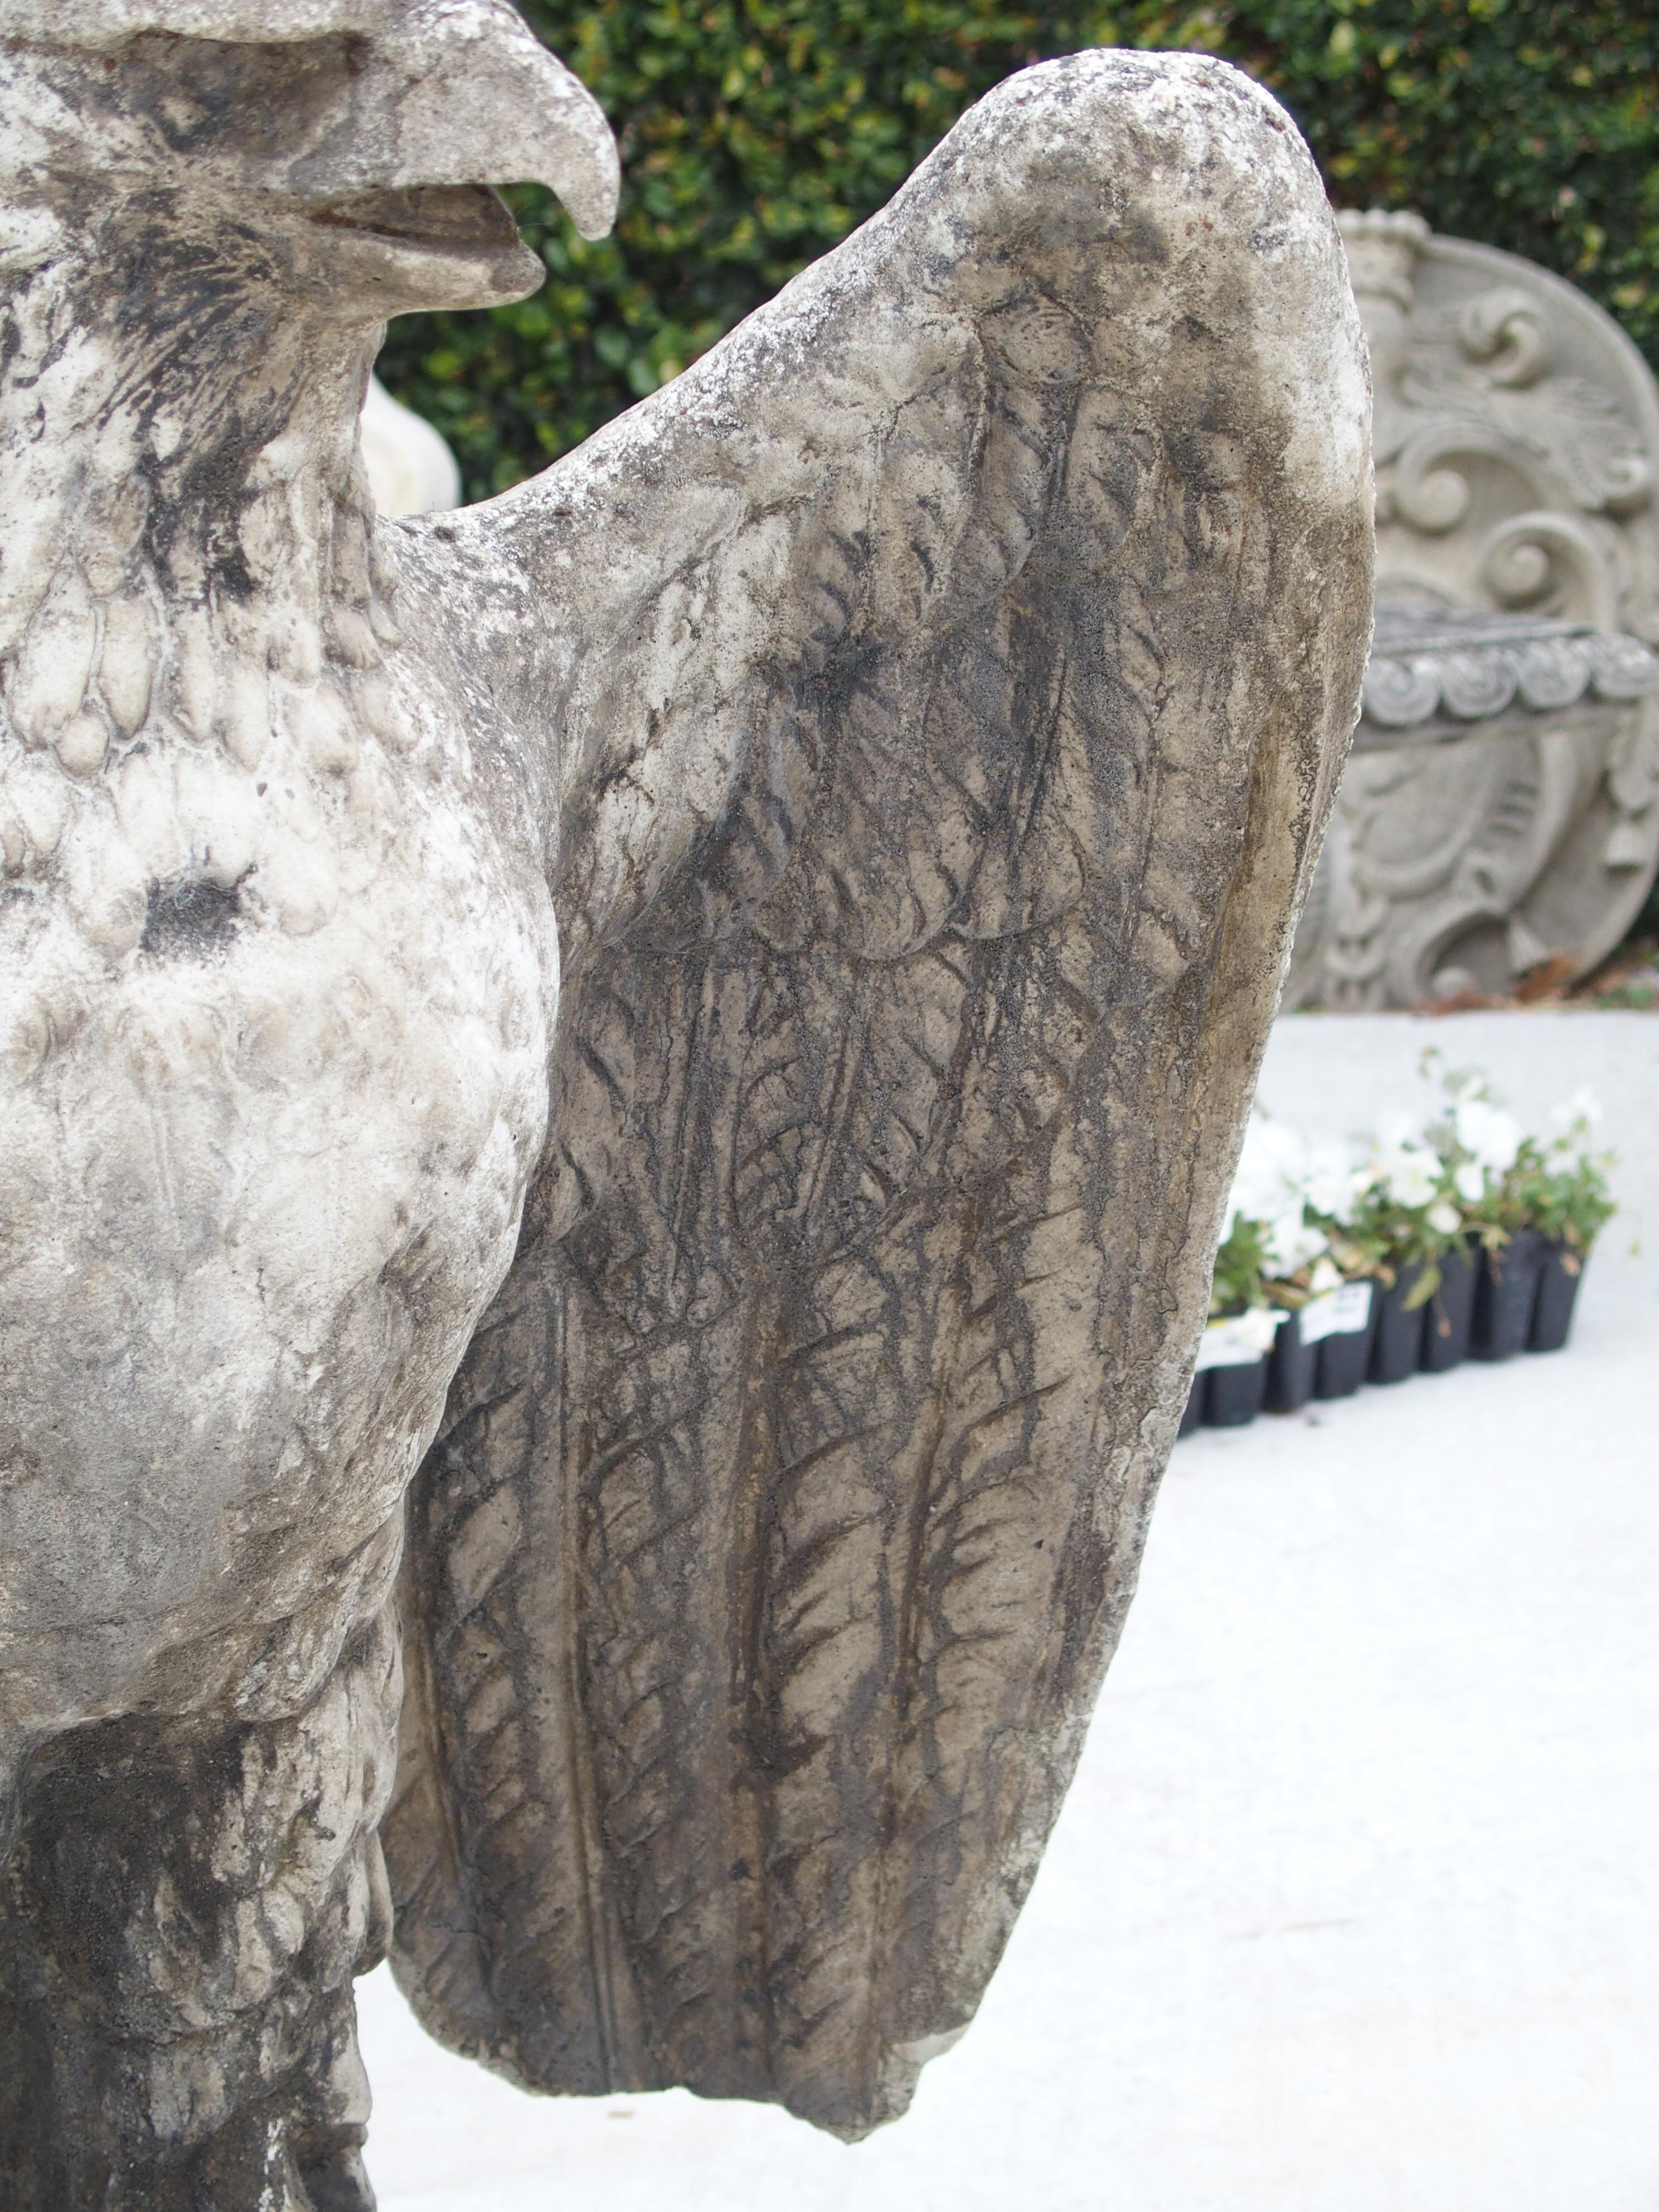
(950, 675)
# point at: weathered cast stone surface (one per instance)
(699, 1013)
(1516, 446)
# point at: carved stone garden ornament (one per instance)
(666, 1050)
(1517, 448)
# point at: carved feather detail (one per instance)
(992, 607)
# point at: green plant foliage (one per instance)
(1567, 1195)
(1240, 1279)
(757, 133)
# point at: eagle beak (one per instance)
(461, 92)
(367, 134)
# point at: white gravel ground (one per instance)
(1354, 1906)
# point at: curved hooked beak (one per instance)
(461, 92)
(447, 98)
(368, 132)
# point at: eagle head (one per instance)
(350, 143)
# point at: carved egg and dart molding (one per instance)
(614, 1107)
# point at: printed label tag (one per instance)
(1239, 1340)
(1339, 1313)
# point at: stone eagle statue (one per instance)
(613, 1106)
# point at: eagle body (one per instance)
(279, 976)
(614, 1108)
(278, 1021)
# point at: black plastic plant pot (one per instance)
(1397, 1340)
(1346, 1354)
(1559, 1274)
(1193, 1413)
(1505, 1296)
(1449, 1312)
(1236, 1394)
(1291, 1366)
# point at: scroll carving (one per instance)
(1516, 438)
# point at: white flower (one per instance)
(1492, 1136)
(1444, 1217)
(1327, 1276)
(1291, 1243)
(1336, 1181)
(1258, 1191)
(1409, 1173)
(1407, 1168)
(1575, 1120)
(1271, 1189)
(1268, 1185)
(1470, 1181)
(1280, 1147)
(1401, 1127)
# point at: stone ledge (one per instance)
(1435, 677)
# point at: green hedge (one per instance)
(755, 133)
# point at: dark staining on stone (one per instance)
(191, 918)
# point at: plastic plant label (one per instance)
(1339, 1313)
(1239, 1340)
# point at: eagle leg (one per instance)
(180, 1922)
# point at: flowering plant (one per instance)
(1268, 1240)
(1559, 1184)
(1302, 1217)
(1478, 1143)
(1406, 1213)
(1277, 1250)
(1237, 1285)
(1507, 1180)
